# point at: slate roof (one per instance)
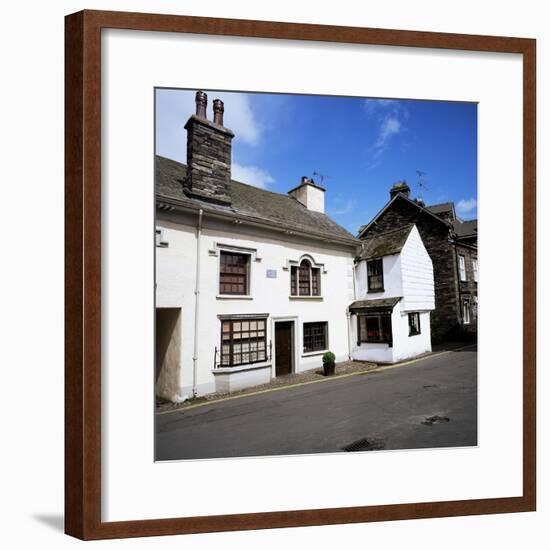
(249, 202)
(466, 228)
(442, 207)
(385, 244)
(378, 303)
(462, 229)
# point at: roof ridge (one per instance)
(402, 228)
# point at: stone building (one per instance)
(452, 246)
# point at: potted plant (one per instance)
(328, 363)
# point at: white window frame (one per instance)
(466, 311)
(462, 267)
(160, 237)
(252, 257)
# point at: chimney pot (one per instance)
(201, 99)
(218, 112)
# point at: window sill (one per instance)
(318, 298)
(233, 297)
(314, 353)
(376, 291)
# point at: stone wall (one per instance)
(208, 160)
(468, 288)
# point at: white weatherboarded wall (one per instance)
(416, 275)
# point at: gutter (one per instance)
(197, 300)
(171, 204)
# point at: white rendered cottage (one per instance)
(250, 284)
(390, 320)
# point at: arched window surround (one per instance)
(305, 277)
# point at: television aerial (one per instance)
(421, 183)
(323, 177)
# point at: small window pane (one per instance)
(304, 278)
(414, 324)
(375, 275)
(293, 281)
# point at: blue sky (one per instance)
(362, 145)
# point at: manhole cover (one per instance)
(364, 444)
(435, 420)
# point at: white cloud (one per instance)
(466, 206)
(389, 127)
(240, 117)
(342, 206)
(391, 115)
(373, 105)
(174, 107)
(251, 175)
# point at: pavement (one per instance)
(390, 407)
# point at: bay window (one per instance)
(243, 341)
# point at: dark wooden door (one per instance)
(283, 348)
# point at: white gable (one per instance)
(417, 275)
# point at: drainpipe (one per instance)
(348, 317)
(197, 300)
(348, 313)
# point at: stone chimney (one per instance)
(311, 195)
(208, 154)
(400, 187)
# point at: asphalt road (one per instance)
(387, 408)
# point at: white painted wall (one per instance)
(405, 346)
(175, 271)
(393, 284)
(311, 197)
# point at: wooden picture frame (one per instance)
(83, 274)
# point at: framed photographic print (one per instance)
(300, 275)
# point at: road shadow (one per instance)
(53, 521)
(455, 346)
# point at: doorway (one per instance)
(284, 348)
(168, 352)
